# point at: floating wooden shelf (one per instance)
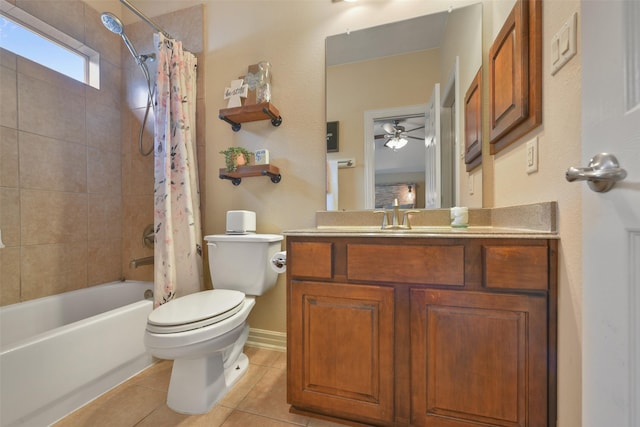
(253, 170)
(250, 113)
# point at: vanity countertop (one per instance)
(527, 221)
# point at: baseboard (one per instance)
(271, 340)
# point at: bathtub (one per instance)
(60, 352)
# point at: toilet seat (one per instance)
(195, 311)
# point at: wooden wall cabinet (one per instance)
(473, 123)
(422, 331)
(515, 75)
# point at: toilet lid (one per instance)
(195, 310)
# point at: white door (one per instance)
(432, 173)
(611, 220)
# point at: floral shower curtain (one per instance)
(178, 235)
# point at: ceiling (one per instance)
(411, 35)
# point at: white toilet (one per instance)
(205, 332)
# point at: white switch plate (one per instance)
(564, 44)
(532, 156)
(470, 185)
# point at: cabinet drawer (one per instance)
(437, 265)
(516, 267)
(311, 260)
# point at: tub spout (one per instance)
(137, 262)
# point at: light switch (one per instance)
(532, 156)
(555, 50)
(564, 39)
(564, 44)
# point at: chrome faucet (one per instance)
(394, 224)
(137, 262)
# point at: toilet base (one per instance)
(198, 383)
(233, 373)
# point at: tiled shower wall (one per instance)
(75, 194)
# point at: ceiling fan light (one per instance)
(396, 143)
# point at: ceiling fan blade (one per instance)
(381, 136)
(414, 137)
(420, 127)
(389, 128)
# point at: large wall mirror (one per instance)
(395, 96)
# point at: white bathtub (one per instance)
(60, 352)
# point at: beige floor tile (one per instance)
(156, 377)
(243, 419)
(259, 399)
(264, 357)
(126, 407)
(244, 386)
(281, 361)
(165, 417)
(269, 398)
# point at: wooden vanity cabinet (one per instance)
(445, 332)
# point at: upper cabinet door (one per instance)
(515, 76)
(509, 73)
(473, 123)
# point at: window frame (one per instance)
(91, 58)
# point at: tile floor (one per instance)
(259, 399)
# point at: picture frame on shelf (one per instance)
(332, 137)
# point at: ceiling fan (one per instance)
(397, 136)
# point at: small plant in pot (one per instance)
(235, 157)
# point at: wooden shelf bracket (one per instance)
(250, 113)
(254, 170)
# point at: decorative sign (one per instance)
(261, 157)
(238, 89)
(332, 137)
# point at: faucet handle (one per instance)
(405, 221)
(385, 217)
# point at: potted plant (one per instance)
(235, 157)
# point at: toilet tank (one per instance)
(243, 262)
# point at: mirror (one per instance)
(414, 73)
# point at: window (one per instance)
(37, 41)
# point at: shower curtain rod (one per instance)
(145, 18)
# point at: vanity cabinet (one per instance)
(422, 331)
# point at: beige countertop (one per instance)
(528, 221)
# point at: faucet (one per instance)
(137, 262)
(395, 218)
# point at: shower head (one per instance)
(112, 23)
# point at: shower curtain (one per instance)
(178, 235)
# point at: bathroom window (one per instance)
(39, 42)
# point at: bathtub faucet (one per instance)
(135, 263)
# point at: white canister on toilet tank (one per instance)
(241, 222)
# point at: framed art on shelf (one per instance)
(332, 137)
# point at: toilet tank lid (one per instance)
(267, 238)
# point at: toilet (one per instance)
(204, 333)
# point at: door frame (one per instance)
(370, 117)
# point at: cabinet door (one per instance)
(478, 358)
(341, 344)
